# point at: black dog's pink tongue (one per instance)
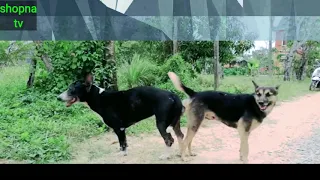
(69, 103)
(263, 107)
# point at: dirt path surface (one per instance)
(290, 134)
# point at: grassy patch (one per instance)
(37, 128)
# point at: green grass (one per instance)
(36, 128)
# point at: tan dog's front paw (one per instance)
(123, 153)
(164, 157)
(244, 160)
(185, 159)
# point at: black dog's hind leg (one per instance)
(168, 139)
(178, 132)
(122, 140)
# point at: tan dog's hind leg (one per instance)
(190, 150)
(187, 142)
(179, 134)
(194, 121)
(244, 144)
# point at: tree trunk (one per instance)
(270, 47)
(112, 81)
(44, 57)
(32, 71)
(175, 43)
(301, 72)
(167, 49)
(216, 64)
(289, 60)
(175, 47)
(270, 58)
(221, 73)
(33, 64)
(288, 67)
(47, 62)
(302, 68)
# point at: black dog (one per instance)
(121, 109)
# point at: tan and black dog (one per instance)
(244, 112)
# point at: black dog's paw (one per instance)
(123, 153)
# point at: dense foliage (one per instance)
(12, 52)
(71, 60)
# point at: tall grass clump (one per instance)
(182, 68)
(140, 71)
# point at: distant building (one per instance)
(282, 33)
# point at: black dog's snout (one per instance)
(261, 103)
(59, 98)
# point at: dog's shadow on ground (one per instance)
(212, 158)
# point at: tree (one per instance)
(43, 56)
(270, 45)
(12, 52)
(32, 72)
(309, 52)
(111, 80)
(196, 50)
(306, 28)
(230, 30)
(175, 43)
(72, 60)
(216, 64)
(262, 55)
(111, 61)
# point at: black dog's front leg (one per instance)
(122, 140)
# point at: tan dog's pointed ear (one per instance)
(255, 84)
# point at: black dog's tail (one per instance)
(179, 86)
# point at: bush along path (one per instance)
(288, 135)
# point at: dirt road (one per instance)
(291, 134)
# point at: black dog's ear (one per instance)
(277, 87)
(88, 81)
(255, 84)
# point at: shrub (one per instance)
(205, 80)
(177, 65)
(236, 71)
(139, 72)
(70, 61)
(236, 89)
